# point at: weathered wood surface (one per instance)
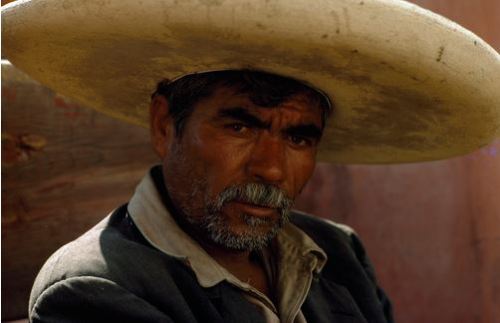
(77, 166)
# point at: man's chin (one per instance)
(245, 227)
(244, 240)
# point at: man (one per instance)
(236, 149)
(209, 235)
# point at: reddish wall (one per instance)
(432, 229)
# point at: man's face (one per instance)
(236, 169)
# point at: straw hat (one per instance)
(408, 85)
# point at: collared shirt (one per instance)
(292, 262)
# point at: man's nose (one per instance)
(267, 162)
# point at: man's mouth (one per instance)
(256, 210)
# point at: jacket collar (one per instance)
(152, 218)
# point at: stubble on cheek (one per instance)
(207, 212)
(185, 184)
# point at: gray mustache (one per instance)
(255, 193)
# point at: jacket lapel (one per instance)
(330, 302)
(232, 305)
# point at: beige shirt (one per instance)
(290, 264)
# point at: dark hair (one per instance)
(264, 89)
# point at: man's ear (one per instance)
(161, 125)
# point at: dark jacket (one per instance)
(112, 274)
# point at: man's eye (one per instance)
(237, 127)
(301, 141)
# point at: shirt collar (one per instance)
(161, 230)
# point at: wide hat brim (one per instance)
(408, 85)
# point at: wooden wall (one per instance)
(432, 229)
(64, 168)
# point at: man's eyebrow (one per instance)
(306, 130)
(243, 115)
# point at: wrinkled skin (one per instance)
(217, 150)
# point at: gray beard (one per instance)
(216, 227)
(252, 239)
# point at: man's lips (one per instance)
(255, 210)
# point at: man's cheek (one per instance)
(301, 173)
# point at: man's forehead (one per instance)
(225, 97)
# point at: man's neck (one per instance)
(240, 263)
(245, 266)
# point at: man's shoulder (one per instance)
(347, 268)
(321, 226)
(80, 257)
(108, 252)
(337, 240)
